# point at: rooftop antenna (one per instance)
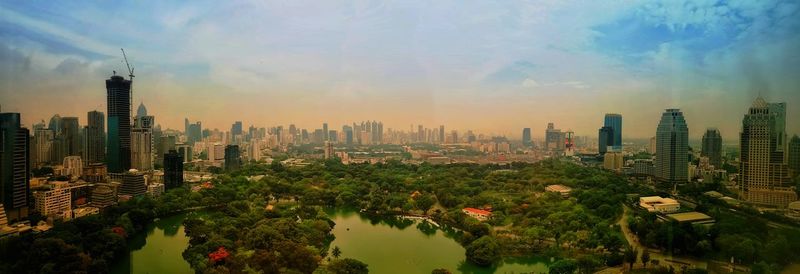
(130, 74)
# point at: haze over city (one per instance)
(491, 67)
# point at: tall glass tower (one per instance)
(712, 147)
(672, 148)
(119, 124)
(614, 121)
(14, 166)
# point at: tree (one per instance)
(336, 252)
(563, 267)
(645, 257)
(348, 266)
(630, 256)
(484, 251)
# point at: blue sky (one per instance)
(494, 66)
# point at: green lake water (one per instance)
(387, 246)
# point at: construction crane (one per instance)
(130, 74)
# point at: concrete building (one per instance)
(173, 169)
(794, 156)
(614, 121)
(94, 136)
(233, 158)
(613, 161)
(328, 150)
(55, 201)
(133, 183)
(103, 195)
(560, 189)
(659, 204)
(119, 124)
(73, 166)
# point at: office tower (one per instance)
(71, 131)
(233, 160)
(712, 147)
(55, 123)
(43, 145)
(186, 127)
(325, 132)
(441, 134)
(254, 150)
(133, 184)
(380, 132)
(764, 174)
(526, 137)
(73, 166)
(333, 136)
(374, 132)
(165, 144)
(94, 148)
(605, 139)
(652, 146)
(554, 138)
(328, 150)
(142, 142)
(348, 134)
(794, 156)
(185, 151)
(304, 135)
(173, 169)
(779, 110)
(236, 129)
(195, 133)
(672, 148)
(119, 124)
(3, 217)
(215, 152)
(420, 134)
(14, 166)
(614, 121)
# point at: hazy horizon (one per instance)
(490, 67)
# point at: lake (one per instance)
(386, 245)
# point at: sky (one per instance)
(491, 66)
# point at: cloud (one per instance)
(529, 83)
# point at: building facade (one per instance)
(764, 177)
(712, 147)
(119, 124)
(94, 147)
(614, 121)
(672, 148)
(14, 166)
(173, 169)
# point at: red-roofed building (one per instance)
(480, 214)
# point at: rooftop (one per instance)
(689, 217)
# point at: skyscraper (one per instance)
(173, 169)
(553, 138)
(325, 133)
(71, 132)
(712, 147)
(614, 121)
(233, 159)
(43, 145)
(14, 166)
(672, 148)
(794, 156)
(94, 148)
(142, 157)
(119, 124)
(348, 134)
(526, 137)
(764, 174)
(605, 139)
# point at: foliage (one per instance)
(347, 266)
(484, 251)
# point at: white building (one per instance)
(73, 166)
(155, 189)
(561, 189)
(659, 204)
(55, 201)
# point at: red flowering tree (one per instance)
(119, 231)
(218, 255)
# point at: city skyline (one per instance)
(407, 64)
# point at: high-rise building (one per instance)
(441, 134)
(328, 149)
(526, 137)
(185, 151)
(195, 133)
(613, 161)
(94, 148)
(614, 121)
(651, 148)
(325, 133)
(14, 166)
(712, 147)
(764, 174)
(71, 132)
(672, 148)
(237, 129)
(779, 110)
(605, 139)
(73, 166)
(794, 156)
(142, 144)
(233, 159)
(173, 169)
(348, 134)
(103, 195)
(553, 138)
(254, 150)
(43, 146)
(119, 124)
